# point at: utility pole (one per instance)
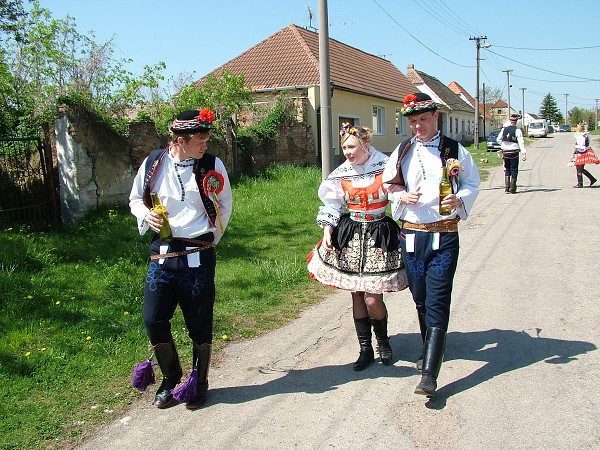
(596, 124)
(566, 106)
(508, 81)
(484, 133)
(523, 110)
(478, 45)
(325, 91)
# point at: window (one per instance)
(456, 125)
(450, 124)
(462, 130)
(400, 123)
(378, 126)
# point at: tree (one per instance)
(549, 109)
(579, 115)
(48, 58)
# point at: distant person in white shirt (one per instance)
(511, 143)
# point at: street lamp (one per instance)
(478, 45)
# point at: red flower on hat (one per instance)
(206, 116)
(410, 98)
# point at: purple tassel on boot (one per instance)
(187, 391)
(143, 375)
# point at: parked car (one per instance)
(491, 140)
(554, 128)
(538, 128)
(565, 127)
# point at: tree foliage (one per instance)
(225, 94)
(550, 110)
(45, 59)
(579, 115)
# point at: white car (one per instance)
(537, 128)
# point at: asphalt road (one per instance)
(521, 366)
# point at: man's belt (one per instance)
(203, 246)
(443, 226)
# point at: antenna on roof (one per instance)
(310, 16)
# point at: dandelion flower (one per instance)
(29, 297)
(43, 349)
(224, 337)
(125, 313)
(88, 338)
(27, 354)
(57, 302)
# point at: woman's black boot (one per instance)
(383, 340)
(363, 331)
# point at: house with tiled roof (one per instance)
(366, 90)
(499, 112)
(486, 121)
(456, 116)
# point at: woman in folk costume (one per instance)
(583, 155)
(193, 186)
(360, 248)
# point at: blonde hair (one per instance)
(580, 127)
(362, 135)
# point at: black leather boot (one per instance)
(383, 340)
(513, 185)
(506, 184)
(423, 328)
(202, 354)
(432, 361)
(363, 331)
(579, 181)
(590, 177)
(168, 361)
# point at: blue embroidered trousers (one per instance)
(192, 288)
(430, 274)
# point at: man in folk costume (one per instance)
(193, 186)
(511, 143)
(429, 240)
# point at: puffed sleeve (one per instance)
(332, 195)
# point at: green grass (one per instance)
(70, 310)
(71, 305)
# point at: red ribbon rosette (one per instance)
(206, 116)
(213, 183)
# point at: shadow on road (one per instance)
(502, 350)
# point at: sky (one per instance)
(538, 47)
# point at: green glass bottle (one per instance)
(165, 234)
(445, 189)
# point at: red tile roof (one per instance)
(290, 57)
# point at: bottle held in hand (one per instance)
(165, 233)
(445, 189)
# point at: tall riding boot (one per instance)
(363, 331)
(168, 361)
(423, 328)
(513, 185)
(507, 184)
(432, 361)
(590, 176)
(383, 340)
(579, 181)
(202, 355)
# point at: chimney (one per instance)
(410, 67)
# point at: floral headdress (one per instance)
(351, 129)
(416, 103)
(193, 120)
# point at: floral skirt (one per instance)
(366, 256)
(587, 157)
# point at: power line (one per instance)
(423, 5)
(543, 70)
(415, 38)
(548, 49)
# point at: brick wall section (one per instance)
(96, 166)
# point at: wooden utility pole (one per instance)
(325, 91)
